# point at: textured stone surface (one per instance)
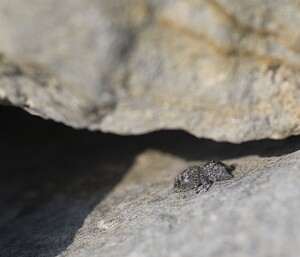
(225, 70)
(75, 193)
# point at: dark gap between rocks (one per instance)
(42, 161)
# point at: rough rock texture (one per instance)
(221, 69)
(75, 193)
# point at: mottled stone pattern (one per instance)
(222, 69)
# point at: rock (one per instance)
(75, 193)
(224, 70)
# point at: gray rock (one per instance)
(225, 70)
(75, 193)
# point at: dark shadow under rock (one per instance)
(53, 177)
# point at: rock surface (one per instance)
(224, 70)
(75, 193)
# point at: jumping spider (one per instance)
(202, 177)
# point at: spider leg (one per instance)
(205, 184)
